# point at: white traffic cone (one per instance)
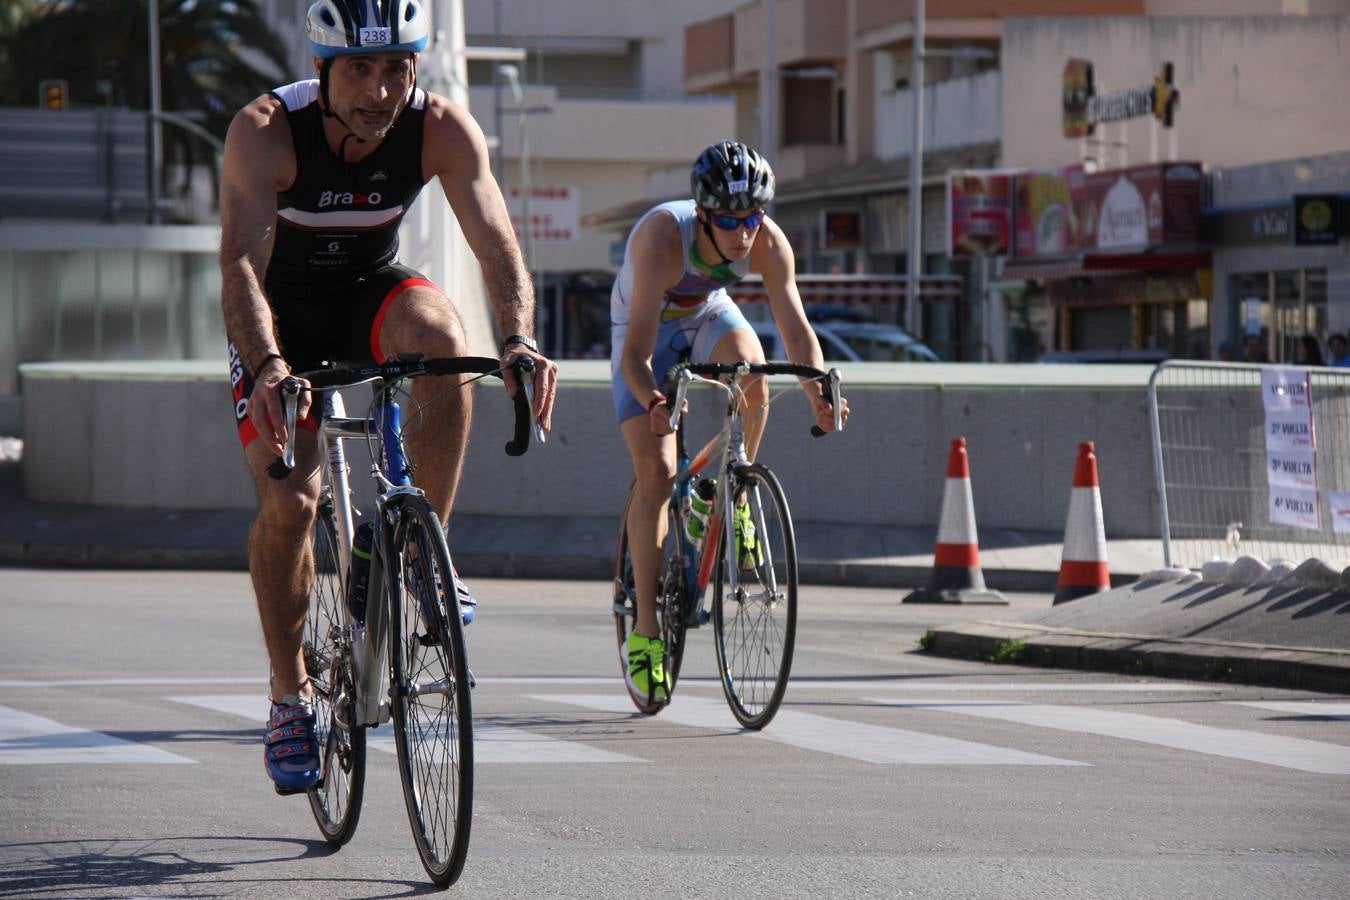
(1083, 569)
(956, 577)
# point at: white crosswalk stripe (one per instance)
(1320, 709)
(492, 743)
(27, 739)
(855, 740)
(1288, 752)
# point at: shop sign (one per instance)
(979, 213)
(1142, 206)
(1315, 219)
(1084, 108)
(555, 213)
(1261, 225)
(1047, 204)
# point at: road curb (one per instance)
(1286, 667)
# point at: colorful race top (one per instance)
(700, 282)
(342, 218)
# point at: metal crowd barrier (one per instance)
(1233, 475)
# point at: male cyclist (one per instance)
(669, 303)
(317, 177)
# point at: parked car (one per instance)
(1150, 357)
(842, 341)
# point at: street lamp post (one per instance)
(915, 255)
(155, 132)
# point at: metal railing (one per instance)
(1227, 485)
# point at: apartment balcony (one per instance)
(799, 160)
(727, 51)
(594, 130)
(957, 113)
(709, 47)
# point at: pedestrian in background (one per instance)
(1254, 348)
(1338, 348)
(1308, 352)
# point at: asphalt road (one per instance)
(131, 706)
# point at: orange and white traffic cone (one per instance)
(956, 577)
(1083, 569)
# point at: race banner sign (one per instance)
(1291, 447)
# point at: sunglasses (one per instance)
(735, 223)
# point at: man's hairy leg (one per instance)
(281, 559)
(423, 320)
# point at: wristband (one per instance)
(268, 358)
(526, 342)
(659, 398)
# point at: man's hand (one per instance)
(545, 381)
(824, 412)
(265, 406)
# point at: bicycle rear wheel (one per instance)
(755, 603)
(336, 800)
(669, 591)
(429, 694)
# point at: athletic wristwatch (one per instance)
(526, 342)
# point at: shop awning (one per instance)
(1101, 265)
(1055, 270)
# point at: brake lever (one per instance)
(681, 392)
(835, 379)
(525, 370)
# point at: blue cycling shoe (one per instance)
(468, 605)
(290, 752)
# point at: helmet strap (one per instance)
(707, 229)
(328, 113)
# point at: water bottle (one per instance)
(700, 502)
(360, 574)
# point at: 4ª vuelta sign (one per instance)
(1291, 447)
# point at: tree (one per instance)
(100, 47)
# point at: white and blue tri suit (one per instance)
(695, 313)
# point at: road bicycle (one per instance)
(401, 655)
(754, 601)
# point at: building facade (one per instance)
(1250, 101)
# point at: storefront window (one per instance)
(1281, 307)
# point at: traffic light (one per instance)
(53, 93)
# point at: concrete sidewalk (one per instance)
(1288, 635)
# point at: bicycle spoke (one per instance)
(336, 800)
(754, 608)
(432, 717)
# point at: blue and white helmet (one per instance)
(731, 175)
(338, 27)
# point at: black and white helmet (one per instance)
(732, 176)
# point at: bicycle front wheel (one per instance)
(336, 799)
(429, 694)
(755, 601)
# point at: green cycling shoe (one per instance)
(647, 667)
(749, 554)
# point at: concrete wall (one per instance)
(130, 437)
(1252, 88)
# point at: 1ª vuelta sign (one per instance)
(1291, 447)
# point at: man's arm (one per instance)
(773, 259)
(257, 163)
(455, 151)
(656, 250)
